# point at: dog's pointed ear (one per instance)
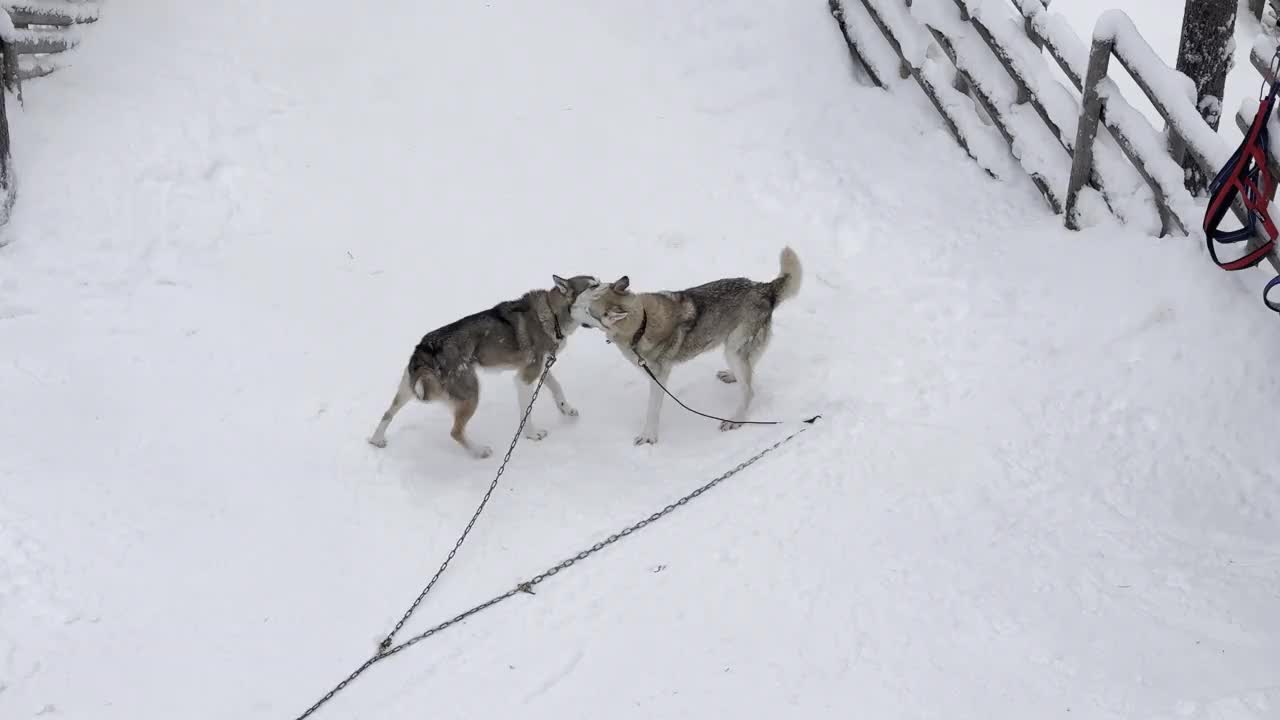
(561, 284)
(621, 284)
(615, 316)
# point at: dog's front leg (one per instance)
(524, 397)
(558, 393)
(649, 435)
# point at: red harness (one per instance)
(1247, 177)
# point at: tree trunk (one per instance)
(7, 189)
(1205, 56)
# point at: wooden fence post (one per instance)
(1087, 128)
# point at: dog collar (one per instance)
(635, 339)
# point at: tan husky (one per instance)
(667, 328)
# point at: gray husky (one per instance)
(515, 335)
(665, 328)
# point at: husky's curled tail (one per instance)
(787, 284)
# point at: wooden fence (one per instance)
(1092, 145)
(33, 34)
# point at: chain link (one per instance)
(386, 650)
(524, 419)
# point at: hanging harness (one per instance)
(1246, 176)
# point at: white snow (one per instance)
(8, 32)
(913, 39)
(1264, 46)
(1044, 485)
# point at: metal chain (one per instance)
(528, 585)
(524, 419)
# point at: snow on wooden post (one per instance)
(1132, 134)
(1175, 100)
(1204, 55)
(1171, 93)
(1030, 29)
(1087, 128)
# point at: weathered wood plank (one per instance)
(996, 111)
(42, 41)
(1011, 66)
(1087, 128)
(855, 53)
(61, 14)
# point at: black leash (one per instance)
(635, 350)
(672, 395)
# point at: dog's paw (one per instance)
(726, 377)
(728, 425)
(647, 439)
(480, 452)
(378, 442)
(532, 433)
(567, 410)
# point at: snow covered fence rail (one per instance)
(35, 31)
(996, 62)
(911, 27)
(1171, 93)
(910, 43)
(999, 66)
(1145, 149)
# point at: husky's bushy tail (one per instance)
(787, 284)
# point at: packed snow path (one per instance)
(1044, 485)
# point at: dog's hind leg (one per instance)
(525, 378)
(558, 393)
(464, 396)
(740, 364)
(742, 357)
(403, 394)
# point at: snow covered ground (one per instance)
(1044, 487)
